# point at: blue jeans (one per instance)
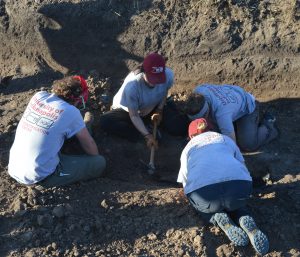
(250, 133)
(229, 196)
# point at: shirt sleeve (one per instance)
(237, 153)
(170, 78)
(129, 96)
(76, 123)
(224, 122)
(182, 175)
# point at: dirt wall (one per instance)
(254, 44)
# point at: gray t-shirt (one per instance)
(135, 94)
(45, 124)
(210, 158)
(227, 104)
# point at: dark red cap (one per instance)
(198, 126)
(154, 67)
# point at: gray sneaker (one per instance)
(270, 122)
(257, 238)
(233, 232)
(268, 117)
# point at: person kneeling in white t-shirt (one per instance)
(48, 120)
(218, 184)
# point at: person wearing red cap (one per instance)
(217, 184)
(48, 120)
(142, 99)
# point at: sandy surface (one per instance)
(254, 44)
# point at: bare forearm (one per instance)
(87, 143)
(90, 147)
(139, 124)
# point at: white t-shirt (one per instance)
(227, 104)
(136, 95)
(210, 158)
(45, 124)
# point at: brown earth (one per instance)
(254, 44)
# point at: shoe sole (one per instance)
(257, 238)
(233, 232)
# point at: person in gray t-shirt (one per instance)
(142, 99)
(48, 121)
(228, 106)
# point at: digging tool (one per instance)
(156, 177)
(151, 166)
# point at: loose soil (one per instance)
(254, 44)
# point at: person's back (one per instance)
(211, 158)
(218, 184)
(50, 119)
(227, 104)
(234, 112)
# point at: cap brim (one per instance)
(156, 78)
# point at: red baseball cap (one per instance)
(154, 67)
(198, 126)
(85, 91)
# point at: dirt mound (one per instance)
(254, 44)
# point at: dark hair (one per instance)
(67, 88)
(194, 103)
(138, 69)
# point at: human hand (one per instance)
(150, 141)
(156, 117)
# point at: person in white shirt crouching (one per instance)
(218, 184)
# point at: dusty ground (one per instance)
(254, 44)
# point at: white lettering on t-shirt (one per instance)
(207, 140)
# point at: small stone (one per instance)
(180, 252)
(69, 208)
(151, 236)
(169, 232)
(30, 253)
(49, 248)
(18, 205)
(197, 240)
(58, 229)
(72, 227)
(54, 246)
(59, 211)
(27, 236)
(104, 204)
(87, 228)
(45, 220)
(193, 233)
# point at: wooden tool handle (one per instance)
(153, 148)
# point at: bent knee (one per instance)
(248, 146)
(99, 164)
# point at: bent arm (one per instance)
(232, 136)
(138, 122)
(161, 105)
(87, 142)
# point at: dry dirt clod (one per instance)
(104, 204)
(59, 211)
